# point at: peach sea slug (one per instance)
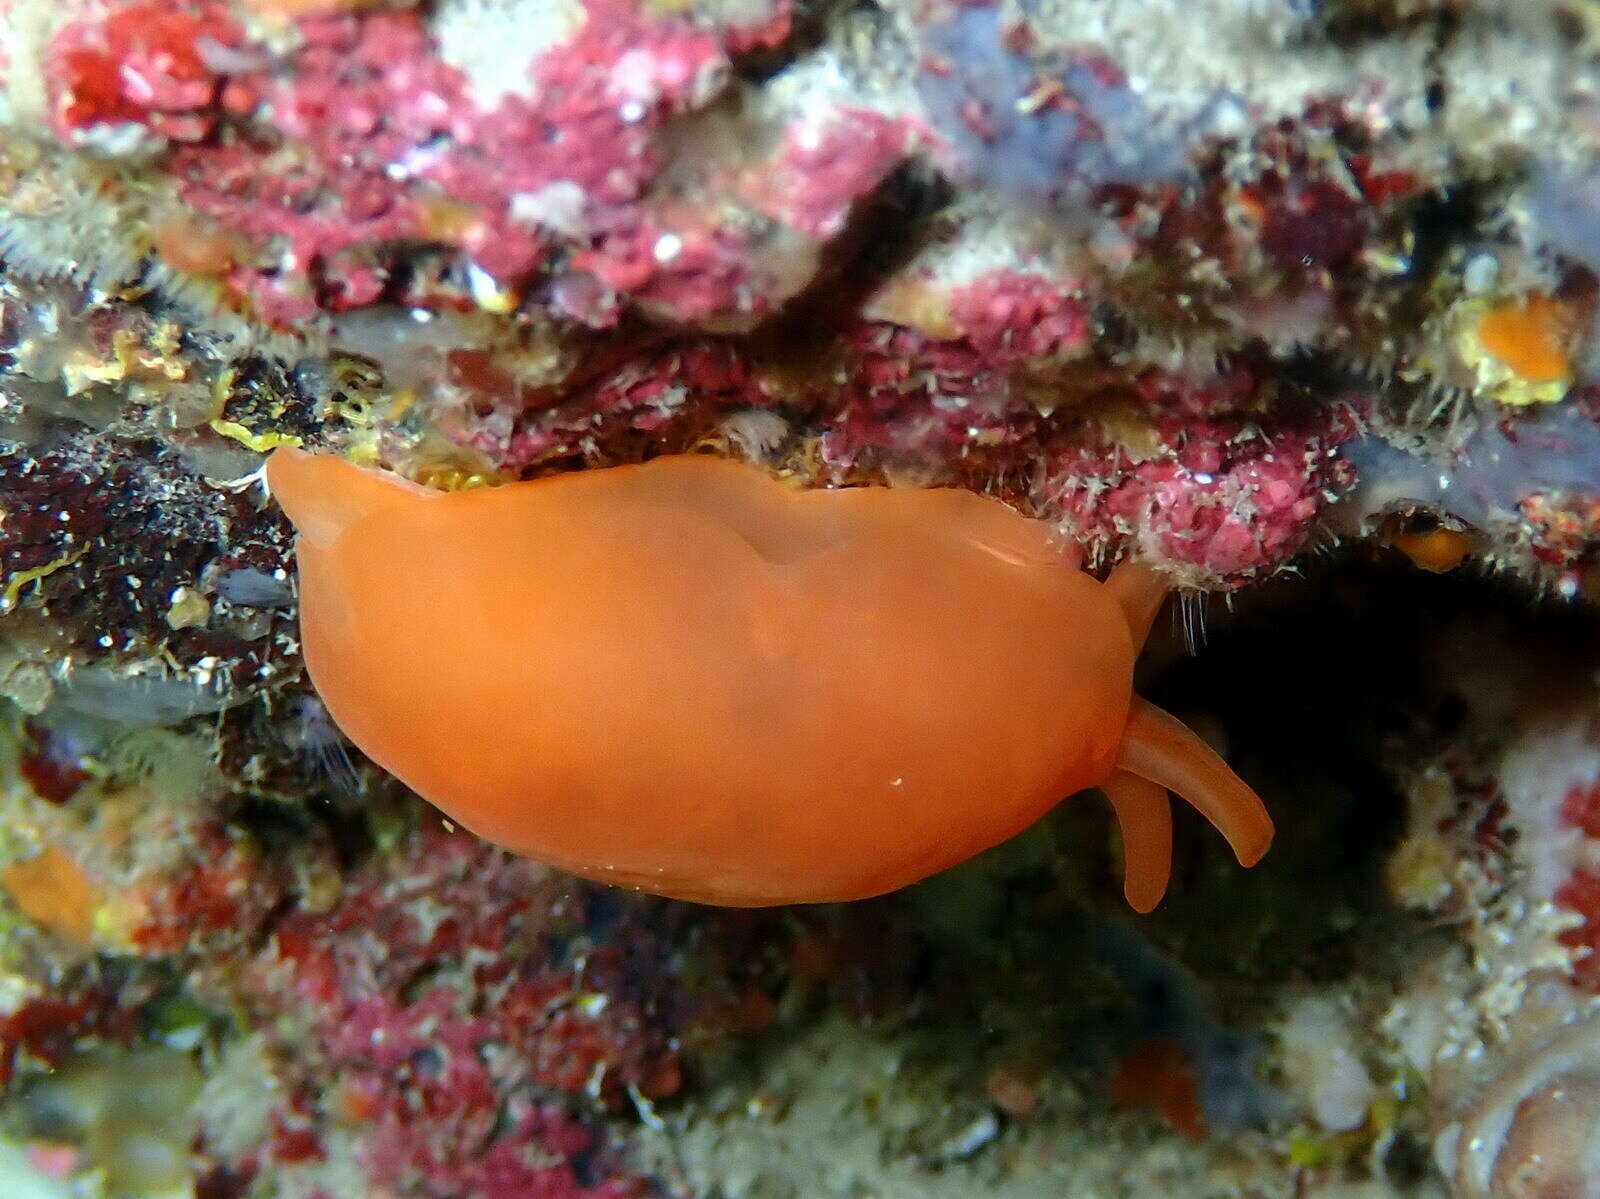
(687, 678)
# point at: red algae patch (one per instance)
(1160, 1076)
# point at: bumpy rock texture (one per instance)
(1227, 284)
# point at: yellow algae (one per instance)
(189, 609)
(261, 443)
(12, 595)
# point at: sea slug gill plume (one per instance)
(687, 678)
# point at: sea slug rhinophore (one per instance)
(687, 678)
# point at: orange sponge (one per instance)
(1531, 338)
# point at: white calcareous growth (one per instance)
(495, 43)
(1320, 1063)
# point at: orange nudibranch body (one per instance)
(687, 678)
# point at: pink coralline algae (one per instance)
(912, 398)
(681, 383)
(1220, 492)
(465, 1022)
(980, 386)
(1580, 893)
(1564, 528)
(148, 65)
(328, 158)
(684, 262)
(1218, 487)
(1012, 318)
(825, 165)
(690, 274)
(881, 393)
(1310, 225)
(1204, 285)
(464, 1005)
(221, 892)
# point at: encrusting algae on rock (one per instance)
(1229, 288)
(686, 678)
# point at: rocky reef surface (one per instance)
(1298, 300)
